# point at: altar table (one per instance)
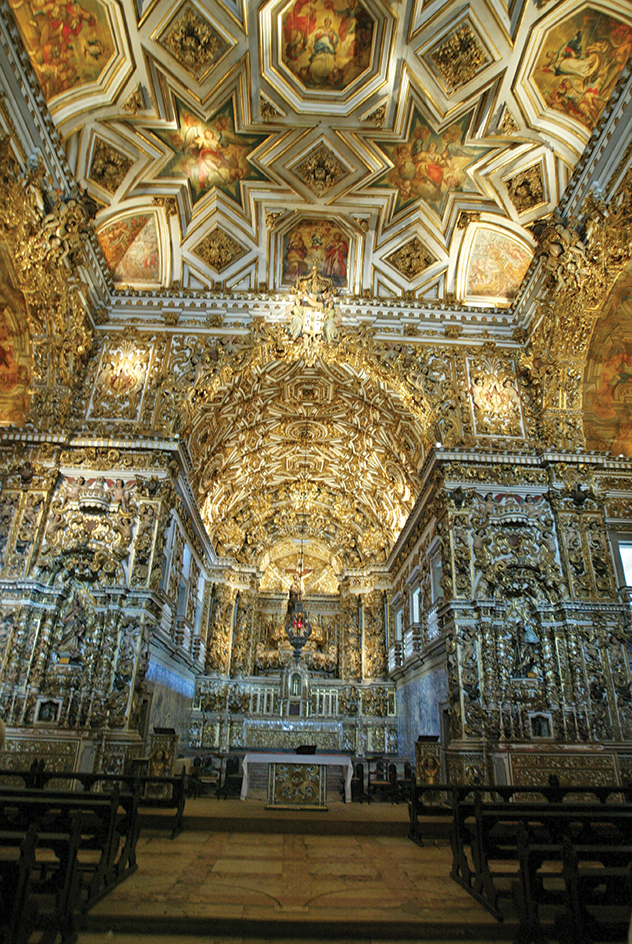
(320, 760)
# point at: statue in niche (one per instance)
(74, 623)
(526, 652)
(295, 685)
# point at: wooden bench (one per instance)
(570, 854)
(39, 883)
(152, 792)
(109, 830)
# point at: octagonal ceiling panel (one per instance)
(573, 66)
(311, 50)
(79, 51)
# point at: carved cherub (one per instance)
(120, 493)
(72, 490)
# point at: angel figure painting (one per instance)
(429, 164)
(497, 265)
(69, 44)
(580, 63)
(131, 249)
(608, 375)
(210, 153)
(320, 242)
(325, 45)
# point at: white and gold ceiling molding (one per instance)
(492, 264)
(136, 247)
(383, 121)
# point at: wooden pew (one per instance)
(153, 792)
(572, 855)
(39, 883)
(107, 851)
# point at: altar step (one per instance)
(144, 929)
(342, 819)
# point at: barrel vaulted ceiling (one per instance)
(404, 148)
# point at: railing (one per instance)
(412, 641)
(417, 637)
(395, 656)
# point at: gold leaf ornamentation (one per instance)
(460, 57)
(411, 259)
(108, 167)
(219, 250)
(526, 189)
(192, 42)
(135, 102)
(320, 170)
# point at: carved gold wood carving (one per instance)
(192, 41)
(460, 57)
(508, 124)
(108, 167)
(411, 259)
(580, 274)
(526, 189)
(219, 250)
(268, 112)
(320, 170)
(46, 249)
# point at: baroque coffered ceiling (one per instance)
(401, 149)
(411, 144)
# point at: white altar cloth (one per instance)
(321, 760)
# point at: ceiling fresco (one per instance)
(580, 62)
(430, 165)
(326, 48)
(69, 44)
(131, 249)
(608, 374)
(210, 154)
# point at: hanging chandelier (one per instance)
(297, 625)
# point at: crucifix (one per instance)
(297, 582)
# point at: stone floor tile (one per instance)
(248, 866)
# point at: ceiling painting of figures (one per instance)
(69, 44)
(580, 62)
(131, 249)
(316, 241)
(15, 348)
(326, 47)
(210, 153)
(430, 165)
(497, 265)
(608, 374)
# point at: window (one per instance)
(435, 576)
(625, 552)
(415, 601)
(398, 626)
